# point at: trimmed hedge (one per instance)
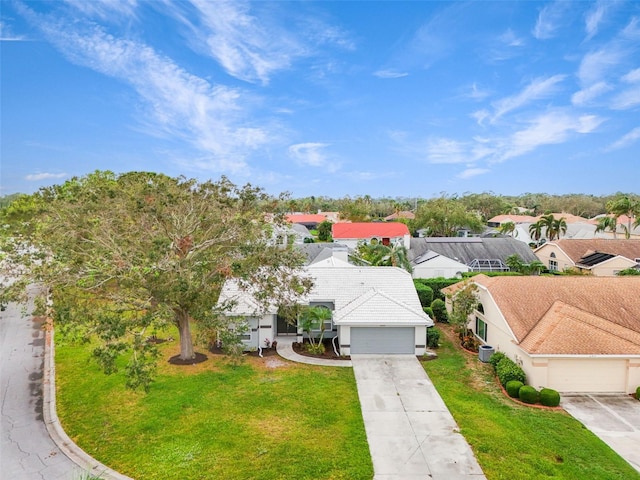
(425, 293)
(437, 284)
(433, 337)
(528, 394)
(495, 358)
(440, 310)
(513, 388)
(507, 370)
(428, 311)
(549, 397)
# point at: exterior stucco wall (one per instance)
(611, 267)
(544, 255)
(439, 267)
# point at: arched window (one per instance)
(553, 255)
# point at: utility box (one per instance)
(485, 352)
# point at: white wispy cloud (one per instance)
(211, 118)
(34, 177)
(594, 17)
(586, 95)
(632, 77)
(7, 35)
(597, 64)
(389, 74)
(313, 155)
(549, 20)
(510, 39)
(472, 172)
(627, 98)
(553, 127)
(249, 45)
(477, 93)
(539, 88)
(626, 140)
(445, 150)
(105, 9)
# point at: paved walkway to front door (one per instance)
(410, 431)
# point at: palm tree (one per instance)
(508, 228)
(559, 227)
(607, 223)
(624, 206)
(535, 230)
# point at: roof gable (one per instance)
(565, 329)
(376, 306)
(365, 230)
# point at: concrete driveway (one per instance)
(410, 431)
(26, 449)
(613, 418)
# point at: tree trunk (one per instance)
(186, 342)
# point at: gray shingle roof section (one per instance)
(466, 250)
(312, 250)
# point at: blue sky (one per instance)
(325, 98)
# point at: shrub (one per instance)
(315, 348)
(425, 293)
(440, 310)
(433, 337)
(428, 311)
(507, 370)
(528, 394)
(495, 358)
(638, 393)
(549, 397)
(513, 388)
(436, 284)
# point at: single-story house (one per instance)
(375, 309)
(386, 233)
(406, 214)
(569, 333)
(596, 256)
(309, 220)
(477, 253)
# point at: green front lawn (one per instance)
(513, 441)
(214, 420)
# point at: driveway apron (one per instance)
(613, 418)
(410, 431)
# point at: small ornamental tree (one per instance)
(313, 320)
(464, 302)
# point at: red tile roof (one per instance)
(306, 218)
(369, 230)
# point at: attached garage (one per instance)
(383, 340)
(603, 375)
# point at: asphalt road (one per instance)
(26, 449)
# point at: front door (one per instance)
(285, 328)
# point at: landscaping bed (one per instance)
(511, 440)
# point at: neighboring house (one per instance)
(572, 334)
(432, 265)
(476, 253)
(403, 214)
(623, 223)
(310, 221)
(598, 257)
(386, 233)
(498, 220)
(375, 309)
(291, 234)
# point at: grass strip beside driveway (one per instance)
(513, 441)
(265, 419)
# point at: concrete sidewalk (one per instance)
(410, 431)
(284, 348)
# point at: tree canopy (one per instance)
(126, 254)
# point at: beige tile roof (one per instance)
(528, 303)
(568, 330)
(578, 248)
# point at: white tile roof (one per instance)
(376, 308)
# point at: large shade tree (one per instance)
(445, 216)
(127, 253)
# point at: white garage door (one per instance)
(588, 375)
(382, 340)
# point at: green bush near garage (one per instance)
(549, 397)
(513, 388)
(529, 394)
(507, 370)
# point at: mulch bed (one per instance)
(199, 358)
(329, 354)
(266, 352)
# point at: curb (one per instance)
(52, 423)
